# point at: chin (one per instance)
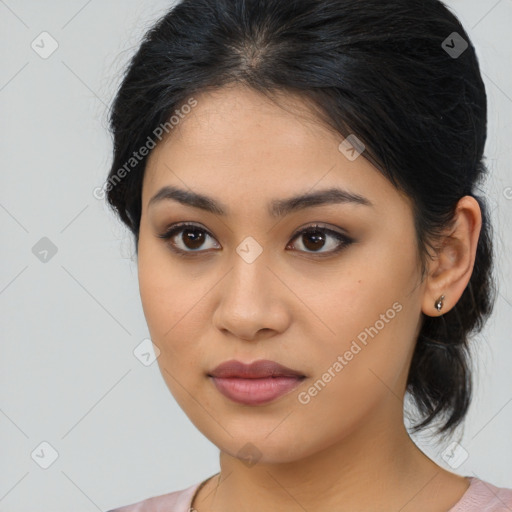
(260, 447)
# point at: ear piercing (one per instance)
(439, 303)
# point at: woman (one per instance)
(300, 179)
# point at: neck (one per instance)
(375, 467)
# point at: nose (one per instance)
(252, 302)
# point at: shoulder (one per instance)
(482, 496)
(177, 501)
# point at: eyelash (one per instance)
(175, 229)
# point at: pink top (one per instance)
(481, 496)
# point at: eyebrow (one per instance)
(276, 207)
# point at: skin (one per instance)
(347, 449)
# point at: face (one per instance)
(329, 288)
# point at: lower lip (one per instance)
(255, 391)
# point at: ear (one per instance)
(451, 268)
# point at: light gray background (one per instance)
(68, 373)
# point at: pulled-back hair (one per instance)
(393, 73)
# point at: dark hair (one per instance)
(393, 73)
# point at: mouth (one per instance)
(257, 383)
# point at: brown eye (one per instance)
(315, 238)
(193, 238)
(186, 238)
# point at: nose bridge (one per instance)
(250, 299)
(249, 280)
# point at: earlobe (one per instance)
(453, 264)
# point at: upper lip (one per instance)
(256, 370)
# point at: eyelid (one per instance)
(310, 226)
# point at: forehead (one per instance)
(225, 117)
(238, 145)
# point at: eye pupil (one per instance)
(317, 236)
(195, 236)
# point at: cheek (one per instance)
(354, 380)
(366, 289)
(172, 309)
(168, 303)
(369, 356)
(165, 290)
(370, 311)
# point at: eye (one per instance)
(313, 238)
(317, 237)
(191, 239)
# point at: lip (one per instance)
(254, 384)
(256, 370)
